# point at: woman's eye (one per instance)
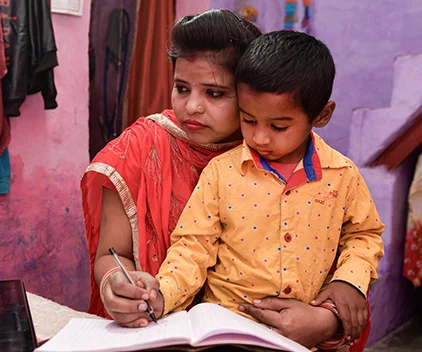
(181, 89)
(215, 93)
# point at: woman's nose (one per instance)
(194, 105)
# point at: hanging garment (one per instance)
(30, 53)
(111, 33)
(4, 128)
(412, 267)
(291, 17)
(116, 53)
(5, 172)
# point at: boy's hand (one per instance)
(351, 305)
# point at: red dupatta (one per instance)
(154, 168)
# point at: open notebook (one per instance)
(204, 325)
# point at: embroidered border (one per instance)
(127, 200)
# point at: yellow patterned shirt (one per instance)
(246, 234)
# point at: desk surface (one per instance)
(50, 317)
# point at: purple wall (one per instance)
(364, 38)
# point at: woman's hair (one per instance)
(218, 32)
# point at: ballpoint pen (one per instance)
(120, 265)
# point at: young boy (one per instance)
(270, 217)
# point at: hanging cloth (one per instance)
(291, 17)
(116, 53)
(412, 267)
(4, 126)
(30, 53)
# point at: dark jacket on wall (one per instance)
(30, 53)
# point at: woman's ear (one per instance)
(325, 116)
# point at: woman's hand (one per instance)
(126, 303)
(296, 320)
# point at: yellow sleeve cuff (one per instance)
(171, 294)
(355, 272)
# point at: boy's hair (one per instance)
(219, 32)
(289, 62)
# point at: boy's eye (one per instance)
(279, 129)
(181, 89)
(248, 121)
(215, 93)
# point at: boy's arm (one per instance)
(194, 246)
(360, 245)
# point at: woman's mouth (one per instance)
(194, 125)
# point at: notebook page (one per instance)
(83, 335)
(213, 324)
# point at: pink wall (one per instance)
(41, 224)
(189, 7)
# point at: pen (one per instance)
(119, 263)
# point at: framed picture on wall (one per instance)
(67, 7)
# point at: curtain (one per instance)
(151, 77)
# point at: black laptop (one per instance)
(17, 333)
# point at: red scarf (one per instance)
(154, 168)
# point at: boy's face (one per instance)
(273, 125)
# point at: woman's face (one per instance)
(204, 101)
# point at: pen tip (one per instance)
(111, 250)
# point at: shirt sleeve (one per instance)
(360, 246)
(194, 246)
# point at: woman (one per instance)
(137, 186)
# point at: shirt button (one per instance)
(287, 237)
(287, 193)
(287, 290)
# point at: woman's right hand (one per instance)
(126, 303)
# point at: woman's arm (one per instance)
(122, 300)
(115, 231)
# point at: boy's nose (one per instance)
(261, 138)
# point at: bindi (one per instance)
(192, 58)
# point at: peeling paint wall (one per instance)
(41, 224)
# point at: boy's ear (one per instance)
(325, 116)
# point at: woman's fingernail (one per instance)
(142, 307)
(257, 301)
(153, 294)
(145, 296)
